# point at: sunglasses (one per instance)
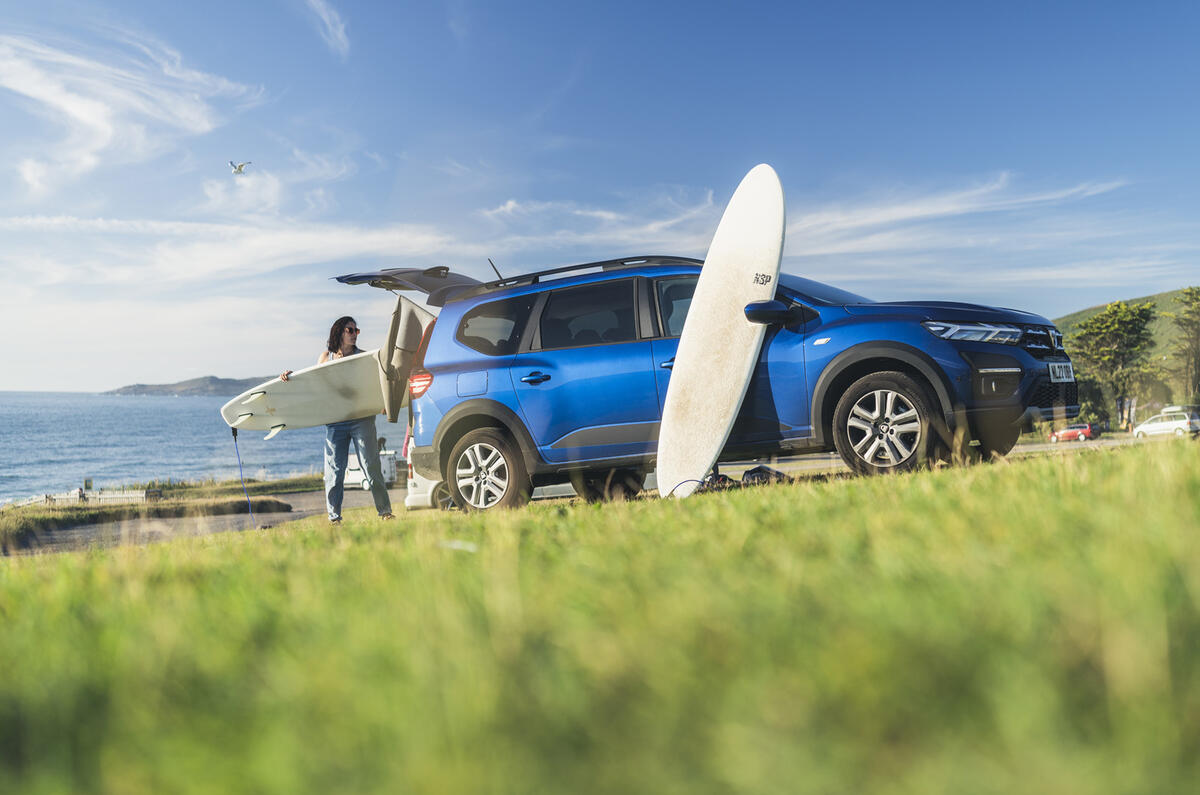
(353, 330)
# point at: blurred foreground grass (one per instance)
(1031, 626)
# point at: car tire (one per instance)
(1053, 438)
(440, 497)
(1139, 435)
(997, 439)
(612, 485)
(884, 423)
(485, 471)
(1179, 432)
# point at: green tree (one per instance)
(1113, 347)
(1187, 347)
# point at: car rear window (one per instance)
(495, 328)
(674, 298)
(589, 315)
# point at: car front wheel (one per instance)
(485, 471)
(883, 423)
(997, 439)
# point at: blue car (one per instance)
(561, 376)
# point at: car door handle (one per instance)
(535, 377)
(668, 364)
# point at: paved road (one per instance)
(312, 503)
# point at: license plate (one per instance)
(1061, 372)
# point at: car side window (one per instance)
(495, 328)
(589, 315)
(674, 298)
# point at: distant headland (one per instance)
(206, 385)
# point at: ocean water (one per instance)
(51, 441)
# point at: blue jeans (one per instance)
(338, 436)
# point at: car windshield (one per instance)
(821, 293)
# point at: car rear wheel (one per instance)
(485, 471)
(1179, 431)
(1140, 435)
(883, 423)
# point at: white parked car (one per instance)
(387, 463)
(426, 493)
(1178, 423)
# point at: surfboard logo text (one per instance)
(762, 278)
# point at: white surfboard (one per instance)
(342, 389)
(719, 346)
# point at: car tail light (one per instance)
(420, 379)
(419, 382)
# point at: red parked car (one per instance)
(1075, 433)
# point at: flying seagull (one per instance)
(237, 167)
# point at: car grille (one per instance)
(1042, 342)
(1047, 395)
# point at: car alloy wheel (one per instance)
(882, 424)
(482, 475)
(485, 471)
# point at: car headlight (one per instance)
(974, 332)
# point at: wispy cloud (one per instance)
(119, 107)
(331, 27)
(873, 219)
(458, 21)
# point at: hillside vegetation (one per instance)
(208, 385)
(1027, 626)
(1165, 332)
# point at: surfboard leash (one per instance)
(245, 491)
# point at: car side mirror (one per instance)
(770, 313)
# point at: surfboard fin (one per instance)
(241, 418)
(274, 430)
(254, 397)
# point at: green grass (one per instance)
(1027, 626)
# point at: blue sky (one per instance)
(1035, 155)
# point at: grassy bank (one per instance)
(22, 528)
(206, 489)
(1031, 626)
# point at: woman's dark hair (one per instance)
(335, 333)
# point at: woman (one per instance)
(343, 341)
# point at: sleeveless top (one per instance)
(334, 355)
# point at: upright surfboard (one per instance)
(342, 389)
(719, 347)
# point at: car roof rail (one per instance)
(443, 285)
(603, 265)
